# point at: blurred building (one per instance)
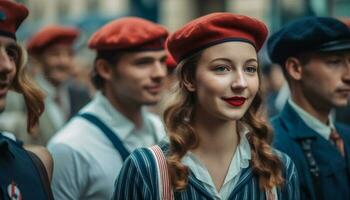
(91, 14)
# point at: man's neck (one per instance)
(320, 113)
(130, 110)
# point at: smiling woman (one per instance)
(219, 147)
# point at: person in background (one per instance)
(52, 49)
(170, 80)
(129, 74)
(274, 82)
(219, 144)
(343, 114)
(314, 53)
(25, 173)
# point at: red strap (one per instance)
(163, 171)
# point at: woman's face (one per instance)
(9, 55)
(226, 80)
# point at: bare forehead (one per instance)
(230, 50)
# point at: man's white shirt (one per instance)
(86, 162)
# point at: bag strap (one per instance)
(43, 174)
(113, 138)
(271, 194)
(165, 190)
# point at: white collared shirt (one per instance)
(323, 129)
(239, 161)
(86, 162)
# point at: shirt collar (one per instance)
(323, 129)
(239, 161)
(120, 124)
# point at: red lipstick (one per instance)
(235, 101)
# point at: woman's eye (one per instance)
(250, 69)
(221, 68)
(13, 53)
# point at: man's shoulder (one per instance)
(75, 132)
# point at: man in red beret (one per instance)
(52, 48)
(23, 175)
(129, 73)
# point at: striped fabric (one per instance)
(138, 180)
(163, 176)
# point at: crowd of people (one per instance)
(177, 115)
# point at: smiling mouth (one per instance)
(235, 101)
(154, 89)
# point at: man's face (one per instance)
(9, 55)
(325, 80)
(57, 63)
(138, 78)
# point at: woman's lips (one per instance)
(3, 89)
(235, 101)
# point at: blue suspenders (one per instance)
(117, 143)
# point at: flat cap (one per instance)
(11, 16)
(323, 34)
(214, 29)
(51, 35)
(129, 33)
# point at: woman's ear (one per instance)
(294, 68)
(189, 84)
(103, 69)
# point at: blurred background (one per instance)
(89, 15)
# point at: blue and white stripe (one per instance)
(138, 180)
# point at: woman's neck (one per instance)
(216, 136)
(218, 140)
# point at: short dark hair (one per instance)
(112, 57)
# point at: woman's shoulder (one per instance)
(287, 162)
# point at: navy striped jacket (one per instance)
(138, 180)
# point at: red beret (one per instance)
(129, 33)
(170, 62)
(213, 29)
(52, 35)
(11, 16)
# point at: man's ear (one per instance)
(103, 69)
(294, 68)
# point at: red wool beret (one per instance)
(213, 29)
(52, 35)
(11, 16)
(129, 33)
(170, 62)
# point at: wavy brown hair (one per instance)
(33, 96)
(178, 118)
